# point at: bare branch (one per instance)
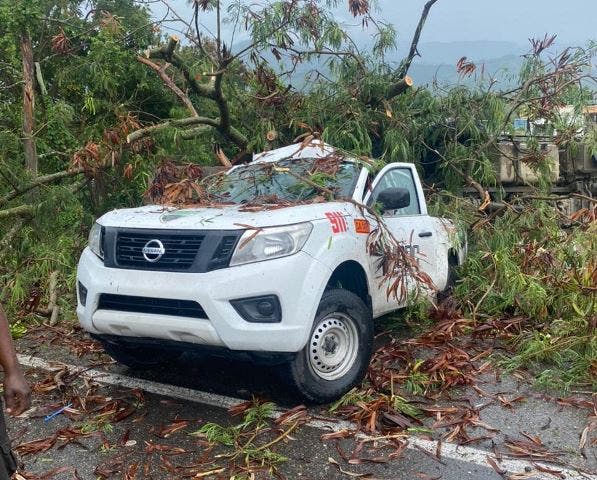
(167, 52)
(403, 70)
(161, 71)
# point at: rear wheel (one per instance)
(339, 349)
(140, 357)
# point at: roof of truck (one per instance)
(314, 149)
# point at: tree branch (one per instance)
(399, 87)
(161, 71)
(37, 182)
(178, 122)
(20, 211)
(483, 193)
(213, 91)
(167, 52)
(6, 240)
(403, 70)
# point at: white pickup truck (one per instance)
(294, 286)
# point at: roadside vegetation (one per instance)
(96, 97)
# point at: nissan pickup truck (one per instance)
(291, 282)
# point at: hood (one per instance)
(221, 218)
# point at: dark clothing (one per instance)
(8, 462)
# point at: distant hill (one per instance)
(504, 69)
(499, 60)
(450, 52)
(494, 59)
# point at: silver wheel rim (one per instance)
(334, 346)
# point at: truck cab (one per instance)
(274, 263)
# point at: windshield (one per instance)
(291, 180)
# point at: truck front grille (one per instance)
(159, 306)
(191, 251)
(181, 250)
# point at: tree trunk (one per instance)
(28, 105)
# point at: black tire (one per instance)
(140, 357)
(341, 312)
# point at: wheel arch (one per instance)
(352, 276)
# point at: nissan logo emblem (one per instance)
(153, 251)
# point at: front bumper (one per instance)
(297, 280)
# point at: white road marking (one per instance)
(448, 450)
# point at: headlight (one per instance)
(96, 240)
(268, 243)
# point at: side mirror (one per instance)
(394, 198)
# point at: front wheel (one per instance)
(339, 349)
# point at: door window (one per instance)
(398, 178)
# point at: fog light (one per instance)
(263, 309)
(266, 308)
(82, 293)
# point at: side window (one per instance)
(399, 178)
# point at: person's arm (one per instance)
(17, 394)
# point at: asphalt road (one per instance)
(199, 390)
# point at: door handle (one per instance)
(425, 234)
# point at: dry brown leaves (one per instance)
(65, 436)
(539, 45)
(465, 68)
(397, 266)
(328, 165)
(585, 216)
(47, 475)
(167, 176)
(71, 338)
(107, 152)
(457, 422)
(60, 43)
(380, 449)
(439, 359)
(358, 7)
(377, 415)
(531, 448)
(445, 363)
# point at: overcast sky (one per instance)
(575, 21)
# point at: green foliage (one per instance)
(91, 83)
(352, 397)
(526, 265)
(17, 330)
(241, 440)
(416, 382)
(401, 404)
(216, 433)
